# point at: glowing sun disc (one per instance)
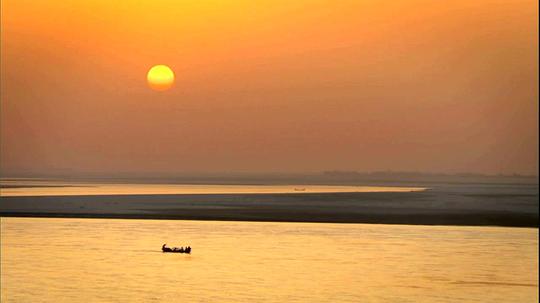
(160, 77)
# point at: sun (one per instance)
(160, 77)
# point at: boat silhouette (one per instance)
(180, 250)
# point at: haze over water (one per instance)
(105, 260)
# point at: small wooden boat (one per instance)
(180, 250)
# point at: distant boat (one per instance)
(299, 189)
(180, 250)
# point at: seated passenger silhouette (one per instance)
(164, 248)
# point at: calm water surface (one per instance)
(103, 260)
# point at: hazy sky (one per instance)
(277, 86)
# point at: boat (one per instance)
(180, 250)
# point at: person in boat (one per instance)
(164, 248)
(188, 250)
(176, 249)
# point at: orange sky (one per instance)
(278, 86)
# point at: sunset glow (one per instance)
(269, 151)
(297, 86)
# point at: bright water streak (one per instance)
(62, 188)
(102, 260)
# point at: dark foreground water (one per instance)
(109, 260)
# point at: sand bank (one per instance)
(439, 206)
